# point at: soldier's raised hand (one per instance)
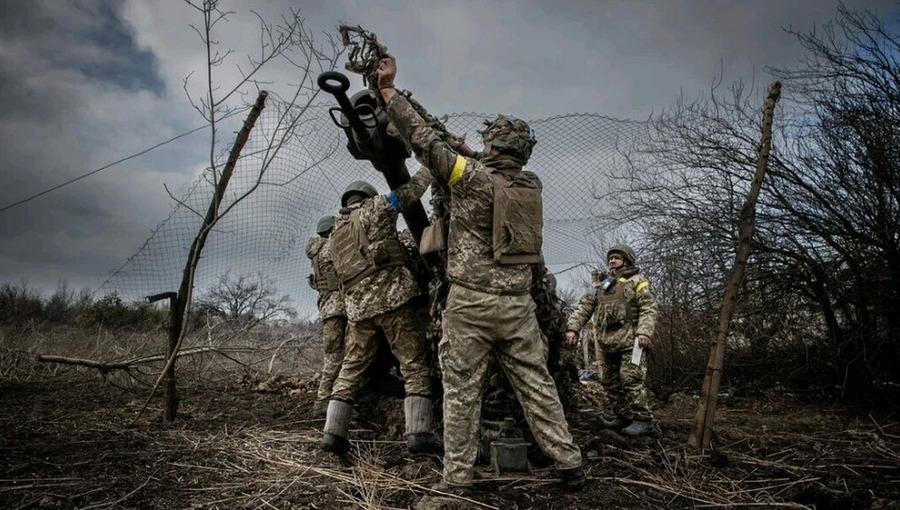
(386, 72)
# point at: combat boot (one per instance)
(319, 409)
(638, 428)
(337, 424)
(618, 423)
(449, 488)
(572, 478)
(419, 436)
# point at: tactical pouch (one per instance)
(612, 306)
(331, 281)
(373, 258)
(518, 219)
(434, 238)
(387, 253)
(324, 277)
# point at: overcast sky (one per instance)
(84, 83)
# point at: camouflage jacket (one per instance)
(624, 311)
(330, 303)
(391, 287)
(470, 260)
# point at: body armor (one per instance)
(518, 218)
(355, 257)
(614, 307)
(324, 277)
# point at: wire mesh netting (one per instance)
(264, 235)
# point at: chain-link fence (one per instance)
(266, 233)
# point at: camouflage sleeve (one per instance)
(410, 193)
(429, 149)
(311, 248)
(647, 311)
(582, 313)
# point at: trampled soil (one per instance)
(66, 441)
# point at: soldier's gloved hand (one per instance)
(644, 341)
(571, 338)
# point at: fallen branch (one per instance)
(275, 354)
(105, 366)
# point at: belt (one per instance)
(497, 292)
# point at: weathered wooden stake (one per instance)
(180, 304)
(701, 435)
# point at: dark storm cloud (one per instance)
(88, 38)
(23, 99)
(71, 77)
(85, 82)
(22, 18)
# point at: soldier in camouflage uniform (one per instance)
(377, 288)
(331, 310)
(489, 309)
(551, 316)
(622, 307)
(550, 309)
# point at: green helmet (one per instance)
(358, 188)
(509, 135)
(625, 251)
(325, 224)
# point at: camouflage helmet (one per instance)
(625, 251)
(325, 224)
(509, 135)
(358, 188)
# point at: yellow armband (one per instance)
(458, 168)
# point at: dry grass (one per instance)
(244, 439)
(209, 354)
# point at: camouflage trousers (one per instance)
(478, 326)
(407, 342)
(625, 385)
(333, 329)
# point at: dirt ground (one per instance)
(67, 441)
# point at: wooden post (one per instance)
(701, 434)
(174, 329)
(180, 304)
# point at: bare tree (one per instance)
(20, 303)
(821, 289)
(288, 43)
(682, 195)
(245, 299)
(839, 190)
